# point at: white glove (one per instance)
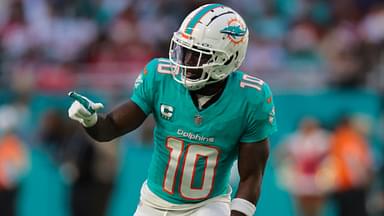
(83, 110)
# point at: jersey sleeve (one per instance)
(144, 88)
(261, 121)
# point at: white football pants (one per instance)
(152, 205)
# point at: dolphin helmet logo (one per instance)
(235, 31)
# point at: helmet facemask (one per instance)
(195, 66)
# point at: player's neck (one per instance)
(211, 89)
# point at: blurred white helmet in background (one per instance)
(210, 44)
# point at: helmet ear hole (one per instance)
(229, 60)
(236, 55)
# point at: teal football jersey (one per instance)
(194, 150)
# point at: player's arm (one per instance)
(251, 164)
(123, 119)
(118, 122)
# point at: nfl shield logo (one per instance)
(198, 119)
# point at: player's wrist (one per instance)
(90, 121)
(243, 206)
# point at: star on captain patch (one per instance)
(198, 119)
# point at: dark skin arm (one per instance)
(251, 164)
(121, 120)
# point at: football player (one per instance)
(207, 113)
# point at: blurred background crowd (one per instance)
(324, 60)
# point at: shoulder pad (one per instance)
(254, 89)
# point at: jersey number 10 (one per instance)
(193, 153)
(252, 82)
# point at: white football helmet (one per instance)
(210, 44)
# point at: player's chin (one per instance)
(193, 74)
